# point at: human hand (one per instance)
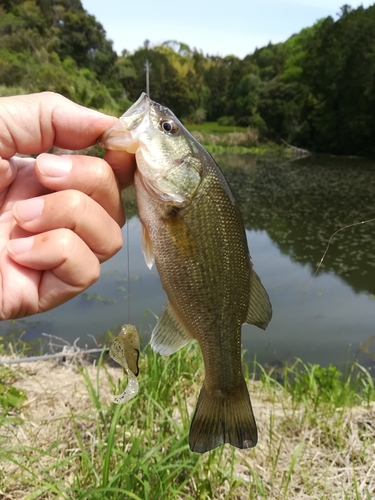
(60, 215)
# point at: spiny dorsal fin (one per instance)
(147, 249)
(169, 335)
(260, 309)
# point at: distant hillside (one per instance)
(56, 45)
(316, 90)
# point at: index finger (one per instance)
(31, 124)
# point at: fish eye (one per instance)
(169, 126)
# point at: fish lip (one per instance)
(114, 137)
(116, 130)
(142, 106)
(143, 102)
(132, 118)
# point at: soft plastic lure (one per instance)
(125, 351)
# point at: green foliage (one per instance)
(11, 398)
(216, 127)
(172, 79)
(139, 450)
(12, 340)
(340, 72)
(316, 90)
(316, 385)
(57, 47)
(9, 91)
(226, 121)
(98, 450)
(280, 106)
(270, 60)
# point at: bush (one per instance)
(226, 121)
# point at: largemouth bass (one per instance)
(193, 231)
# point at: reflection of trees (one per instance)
(301, 204)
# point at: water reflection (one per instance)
(290, 210)
(301, 204)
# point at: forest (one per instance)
(316, 90)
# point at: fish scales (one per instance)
(194, 231)
(203, 286)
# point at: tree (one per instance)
(340, 71)
(281, 106)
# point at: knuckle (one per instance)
(79, 258)
(67, 242)
(104, 175)
(94, 273)
(116, 240)
(50, 95)
(74, 200)
(113, 244)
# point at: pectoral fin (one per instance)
(147, 249)
(181, 235)
(260, 309)
(169, 335)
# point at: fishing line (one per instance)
(330, 241)
(127, 203)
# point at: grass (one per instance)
(316, 435)
(214, 128)
(221, 139)
(218, 149)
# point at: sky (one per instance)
(215, 27)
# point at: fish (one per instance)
(125, 351)
(193, 231)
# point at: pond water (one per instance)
(290, 210)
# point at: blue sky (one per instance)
(217, 27)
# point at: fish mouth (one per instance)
(125, 134)
(142, 107)
(132, 117)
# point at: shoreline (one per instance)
(67, 440)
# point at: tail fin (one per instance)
(221, 418)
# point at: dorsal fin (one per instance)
(169, 335)
(260, 309)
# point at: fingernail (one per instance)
(54, 165)
(20, 245)
(28, 210)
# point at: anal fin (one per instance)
(169, 335)
(260, 309)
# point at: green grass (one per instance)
(217, 149)
(11, 398)
(314, 385)
(92, 449)
(138, 450)
(214, 128)
(222, 139)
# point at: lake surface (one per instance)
(290, 210)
